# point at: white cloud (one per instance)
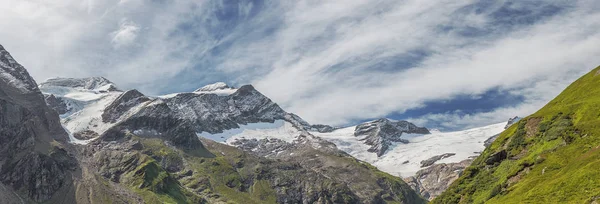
(125, 35)
(331, 62)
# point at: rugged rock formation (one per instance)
(59, 105)
(434, 180)
(512, 121)
(432, 160)
(381, 133)
(322, 128)
(122, 105)
(32, 161)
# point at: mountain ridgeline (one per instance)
(118, 146)
(551, 156)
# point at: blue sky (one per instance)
(439, 63)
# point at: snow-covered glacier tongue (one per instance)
(407, 151)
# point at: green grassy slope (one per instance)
(552, 156)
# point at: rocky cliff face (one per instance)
(381, 133)
(32, 160)
(434, 180)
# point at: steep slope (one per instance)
(33, 162)
(552, 156)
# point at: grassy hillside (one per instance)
(552, 156)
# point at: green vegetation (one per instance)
(161, 173)
(552, 156)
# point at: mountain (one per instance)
(550, 156)
(218, 144)
(34, 164)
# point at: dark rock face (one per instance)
(122, 104)
(85, 135)
(38, 174)
(29, 162)
(380, 134)
(435, 179)
(496, 157)
(322, 128)
(212, 113)
(432, 160)
(179, 118)
(57, 104)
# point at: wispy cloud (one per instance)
(332, 62)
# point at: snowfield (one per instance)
(88, 106)
(280, 129)
(465, 144)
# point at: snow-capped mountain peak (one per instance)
(214, 87)
(99, 84)
(219, 88)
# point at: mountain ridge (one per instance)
(146, 150)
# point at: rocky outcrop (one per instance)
(322, 128)
(381, 133)
(512, 121)
(432, 160)
(57, 104)
(122, 105)
(432, 181)
(496, 157)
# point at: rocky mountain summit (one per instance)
(381, 133)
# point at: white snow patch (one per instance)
(213, 87)
(219, 92)
(279, 129)
(90, 117)
(420, 147)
